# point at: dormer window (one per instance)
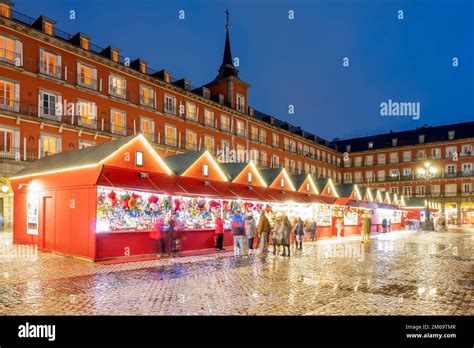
(240, 102)
(187, 85)
(206, 93)
(115, 56)
(421, 138)
(282, 183)
(5, 10)
(394, 142)
(371, 145)
(307, 186)
(451, 135)
(348, 148)
(205, 170)
(85, 43)
(221, 99)
(48, 28)
(167, 77)
(249, 177)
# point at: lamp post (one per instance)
(427, 172)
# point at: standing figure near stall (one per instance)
(339, 226)
(237, 226)
(366, 226)
(250, 231)
(384, 225)
(285, 235)
(310, 227)
(299, 233)
(219, 232)
(263, 231)
(277, 234)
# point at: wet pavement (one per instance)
(401, 273)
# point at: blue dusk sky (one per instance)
(300, 62)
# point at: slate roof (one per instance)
(344, 190)
(179, 163)
(415, 202)
(298, 180)
(410, 137)
(78, 158)
(321, 183)
(269, 175)
(232, 170)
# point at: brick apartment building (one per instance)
(60, 92)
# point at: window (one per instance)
(406, 172)
(394, 157)
(139, 158)
(450, 169)
(467, 188)
(451, 135)
(9, 95)
(299, 148)
(369, 160)
(225, 145)
(394, 173)
(191, 140)
(249, 177)
(50, 64)
(406, 156)
(292, 145)
(421, 155)
(347, 178)
(86, 76)
(394, 141)
(118, 86)
(118, 122)
(240, 103)
(358, 177)
(209, 143)
(240, 128)
(170, 135)
(5, 10)
(208, 117)
(436, 153)
(143, 68)
(263, 136)
(115, 56)
(241, 153)
(282, 182)
(49, 145)
(466, 150)
(275, 140)
(358, 161)
(147, 127)
(8, 142)
(275, 161)
(381, 175)
(253, 133)
(451, 151)
(369, 176)
(450, 189)
(311, 152)
(394, 190)
(407, 191)
(48, 104)
(371, 145)
(87, 113)
(263, 159)
(85, 43)
(225, 123)
(467, 168)
(348, 148)
(435, 190)
(292, 166)
(381, 159)
(147, 96)
(170, 105)
(11, 51)
(420, 191)
(306, 168)
(421, 138)
(191, 112)
(205, 170)
(48, 28)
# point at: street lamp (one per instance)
(427, 172)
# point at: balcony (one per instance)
(118, 92)
(146, 101)
(18, 154)
(9, 104)
(48, 69)
(171, 141)
(10, 57)
(86, 82)
(49, 113)
(169, 109)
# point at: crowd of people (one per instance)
(281, 232)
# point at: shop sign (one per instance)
(32, 210)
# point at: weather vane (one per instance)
(227, 13)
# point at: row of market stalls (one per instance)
(112, 200)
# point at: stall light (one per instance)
(249, 177)
(282, 182)
(259, 177)
(287, 178)
(331, 185)
(56, 171)
(214, 164)
(359, 197)
(5, 189)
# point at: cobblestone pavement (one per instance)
(401, 273)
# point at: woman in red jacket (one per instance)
(219, 232)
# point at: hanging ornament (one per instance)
(112, 198)
(125, 199)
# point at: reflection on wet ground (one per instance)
(399, 274)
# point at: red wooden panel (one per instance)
(80, 222)
(63, 221)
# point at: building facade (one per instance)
(60, 92)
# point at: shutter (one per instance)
(40, 102)
(94, 78)
(58, 145)
(59, 108)
(17, 97)
(16, 139)
(60, 69)
(19, 51)
(154, 98)
(78, 73)
(110, 84)
(41, 68)
(40, 146)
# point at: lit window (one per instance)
(143, 68)
(5, 10)
(147, 127)
(85, 43)
(170, 104)
(139, 158)
(87, 76)
(191, 112)
(87, 113)
(48, 28)
(451, 135)
(225, 123)
(208, 118)
(371, 145)
(240, 127)
(170, 135)
(205, 170)
(117, 119)
(49, 145)
(8, 95)
(117, 86)
(191, 140)
(147, 96)
(282, 182)
(240, 103)
(249, 177)
(48, 104)
(7, 50)
(209, 143)
(50, 63)
(115, 56)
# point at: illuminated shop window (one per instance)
(139, 158)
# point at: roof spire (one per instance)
(227, 68)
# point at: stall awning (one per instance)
(350, 202)
(285, 196)
(204, 188)
(129, 179)
(247, 192)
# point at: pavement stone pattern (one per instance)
(401, 273)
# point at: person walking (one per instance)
(263, 231)
(250, 230)
(299, 233)
(366, 229)
(237, 227)
(384, 225)
(219, 232)
(277, 234)
(312, 229)
(285, 235)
